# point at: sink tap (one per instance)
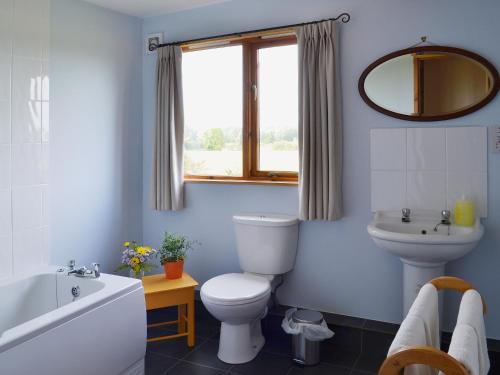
(445, 220)
(406, 215)
(96, 268)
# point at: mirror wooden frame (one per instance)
(481, 60)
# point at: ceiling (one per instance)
(148, 8)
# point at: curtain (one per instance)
(320, 123)
(168, 175)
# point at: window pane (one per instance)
(213, 108)
(278, 109)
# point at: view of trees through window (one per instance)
(213, 110)
(278, 109)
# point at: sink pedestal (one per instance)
(416, 275)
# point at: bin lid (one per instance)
(307, 316)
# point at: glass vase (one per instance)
(138, 275)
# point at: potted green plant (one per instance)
(172, 254)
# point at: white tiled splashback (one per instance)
(24, 131)
(428, 168)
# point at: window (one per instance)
(278, 109)
(241, 111)
(213, 85)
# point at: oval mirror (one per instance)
(429, 83)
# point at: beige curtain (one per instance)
(320, 123)
(168, 175)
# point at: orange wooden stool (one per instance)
(160, 292)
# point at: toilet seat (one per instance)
(236, 289)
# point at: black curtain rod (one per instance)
(344, 17)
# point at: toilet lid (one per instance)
(235, 289)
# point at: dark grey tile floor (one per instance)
(356, 349)
(342, 355)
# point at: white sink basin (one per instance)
(422, 250)
(418, 242)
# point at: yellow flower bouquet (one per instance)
(135, 258)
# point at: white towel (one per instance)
(426, 307)
(464, 349)
(411, 333)
(471, 314)
(420, 327)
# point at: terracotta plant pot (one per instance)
(173, 270)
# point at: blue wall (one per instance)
(96, 137)
(338, 267)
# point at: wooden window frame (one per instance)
(250, 132)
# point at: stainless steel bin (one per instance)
(306, 352)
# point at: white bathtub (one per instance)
(44, 330)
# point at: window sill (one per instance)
(239, 182)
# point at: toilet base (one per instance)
(240, 343)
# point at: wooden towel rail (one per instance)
(426, 355)
(454, 283)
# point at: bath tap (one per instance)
(79, 271)
(445, 220)
(93, 272)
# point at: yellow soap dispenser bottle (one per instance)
(465, 214)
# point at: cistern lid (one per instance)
(264, 219)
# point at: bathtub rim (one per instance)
(114, 287)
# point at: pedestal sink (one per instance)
(423, 251)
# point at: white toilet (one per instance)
(267, 245)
